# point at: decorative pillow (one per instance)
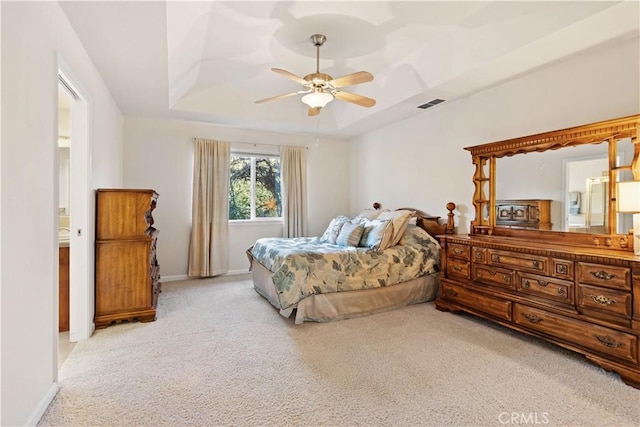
(377, 234)
(331, 233)
(400, 220)
(350, 234)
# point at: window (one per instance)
(254, 187)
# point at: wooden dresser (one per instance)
(534, 214)
(587, 300)
(578, 290)
(127, 270)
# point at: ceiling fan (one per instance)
(320, 88)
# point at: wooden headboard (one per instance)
(432, 224)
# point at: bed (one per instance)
(319, 279)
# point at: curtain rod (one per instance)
(255, 144)
(240, 142)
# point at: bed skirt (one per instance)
(348, 304)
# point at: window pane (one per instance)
(268, 202)
(240, 188)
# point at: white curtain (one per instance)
(293, 161)
(209, 247)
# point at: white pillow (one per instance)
(377, 234)
(333, 230)
(400, 220)
(369, 213)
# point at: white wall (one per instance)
(420, 162)
(159, 155)
(33, 35)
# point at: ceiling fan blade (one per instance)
(314, 111)
(352, 79)
(290, 76)
(355, 99)
(273, 98)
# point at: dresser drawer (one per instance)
(546, 287)
(605, 275)
(610, 301)
(533, 263)
(494, 276)
(479, 255)
(458, 268)
(458, 251)
(493, 306)
(562, 269)
(583, 334)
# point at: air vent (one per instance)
(431, 103)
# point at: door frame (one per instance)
(81, 277)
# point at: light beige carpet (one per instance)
(219, 354)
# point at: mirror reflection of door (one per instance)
(597, 204)
(576, 204)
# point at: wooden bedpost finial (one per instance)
(450, 228)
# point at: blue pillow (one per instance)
(377, 234)
(350, 234)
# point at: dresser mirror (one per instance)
(561, 183)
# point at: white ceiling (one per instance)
(210, 60)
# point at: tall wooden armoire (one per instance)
(127, 270)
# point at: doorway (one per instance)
(577, 172)
(77, 204)
(65, 98)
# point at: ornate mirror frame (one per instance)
(484, 179)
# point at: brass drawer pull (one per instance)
(602, 300)
(495, 258)
(451, 292)
(479, 255)
(505, 277)
(535, 264)
(607, 341)
(457, 268)
(541, 283)
(532, 318)
(602, 275)
(560, 291)
(457, 251)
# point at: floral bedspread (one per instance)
(305, 266)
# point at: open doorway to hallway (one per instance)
(66, 96)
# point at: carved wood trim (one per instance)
(608, 131)
(623, 259)
(594, 133)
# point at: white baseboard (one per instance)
(186, 277)
(43, 405)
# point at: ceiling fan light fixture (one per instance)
(320, 88)
(317, 99)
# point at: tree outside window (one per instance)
(254, 187)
